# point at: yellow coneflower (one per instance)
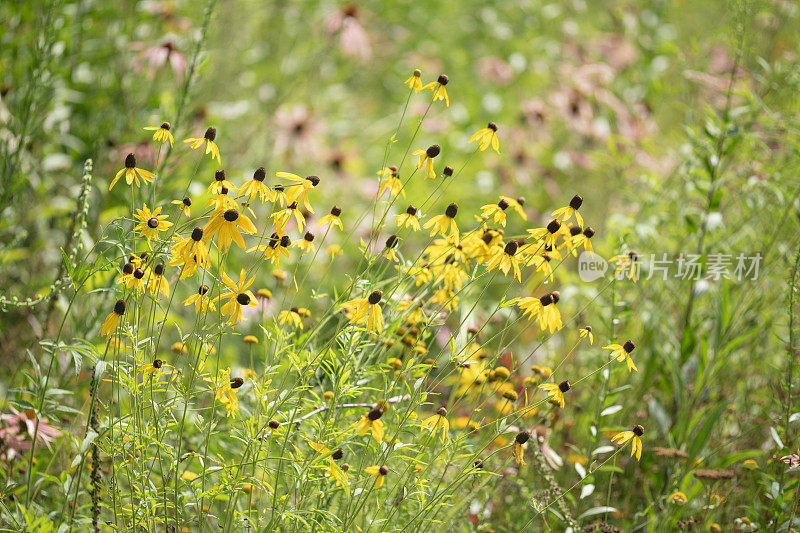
(150, 222)
(279, 196)
(220, 182)
(627, 262)
(157, 283)
(133, 278)
(486, 137)
(179, 348)
(292, 316)
(408, 219)
(380, 472)
(390, 248)
(438, 88)
(226, 393)
(565, 213)
(506, 260)
(306, 243)
(584, 238)
(299, 192)
(634, 435)
(237, 298)
(190, 253)
(132, 173)
(162, 133)
(250, 340)
(497, 212)
(365, 310)
(371, 423)
(256, 187)
(540, 263)
(149, 368)
(184, 205)
(445, 224)
(208, 144)
(521, 438)
(517, 205)
(332, 219)
(438, 422)
(555, 392)
(549, 234)
(426, 159)
(112, 320)
(221, 202)
(623, 353)
(586, 332)
(544, 309)
(229, 224)
(333, 250)
(390, 180)
(276, 246)
(415, 81)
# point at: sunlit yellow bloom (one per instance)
(332, 219)
(282, 217)
(291, 317)
(565, 213)
(149, 368)
(179, 348)
(220, 183)
(249, 339)
(541, 263)
(277, 246)
(486, 137)
(162, 133)
(132, 173)
(365, 310)
(438, 88)
(519, 441)
(426, 159)
(221, 202)
(184, 205)
(506, 260)
(299, 192)
(333, 250)
(415, 81)
(497, 212)
(634, 435)
(112, 320)
(226, 393)
(207, 143)
(238, 297)
(408, 219)
(390, 180)
(229, 224)
(133, 277)
(549, 234)
(279, 196)
(555, 392)
(623, 353)
(438, 422)
(445, 224)
(586, 331)
(544, 309)
(157, 283)
(627, 266)
(516, 205)
(447, 298)
(371, 423)
(150, 222)
(256, 187)
(380, 472)
(306, 243)
(190, 253)
(581, 239)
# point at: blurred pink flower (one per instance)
(495, 71)
(153, 58)
(298, 132)
(353, 38)
(17, 430)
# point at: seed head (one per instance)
(243, 299)
(448, 171)
(152, 223)
(638, 430)
(338, 454)
(158, 270)
(187, 201)
(219, 175)
(165, 126)
(286, 241)
(345, 467)
(522, 437)
(589, 232)
(443, 79)
(511, 248)
(119, 307)
(563, 386)
(411, 210)
(575, 230)
(274, 424)
(260, 174)
(138, 273)
(433, 150)
(417, 73)
(336, 211)
(231, 215)
(383, 470)
(211, 134)
(553, 226)
(441, 411)
(521, 200)
(157, 363)
(197, 234)
(492, 126)
(202, 290)
(556, 296)
(576, 202)
(392, 241)
(309, 236)
(375, 414)
(130, 161)
(628, 346)
(127, 269)
(502, 204)
(546, 256)
(236, 383)
(451, 211)
(314, 180)
(510, 395)
(375, 297)
(546, 300)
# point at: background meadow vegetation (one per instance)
(675, 121)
